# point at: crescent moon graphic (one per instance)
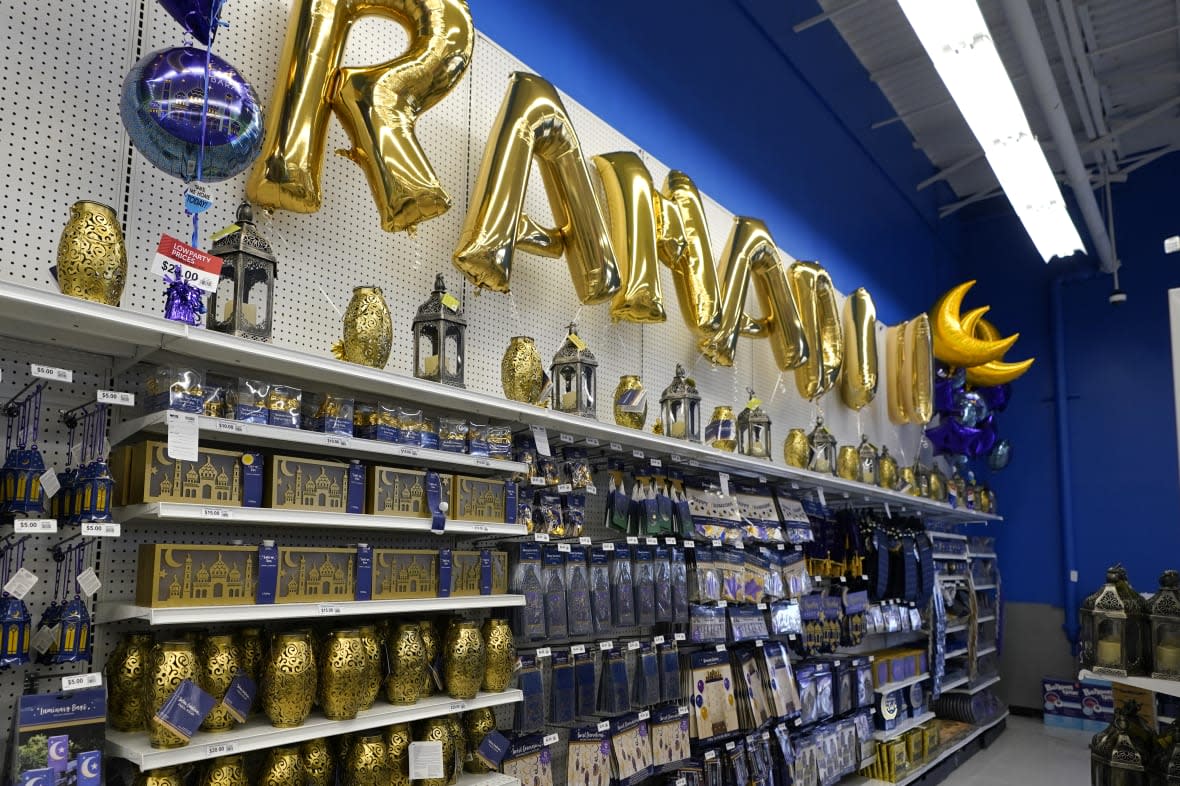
(58, 750)
(168, 559)
(90, 768)
(996, 372)
(952, 344)
(36, 780)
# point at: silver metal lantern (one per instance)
(574, 372)
(753, 427)
(680, 408)
(1164, 610)
(1116, 634)
(440, 337)
(242, 304)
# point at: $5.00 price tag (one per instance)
(194, 266)
(98, 529)
(75, 681)
(116, 397)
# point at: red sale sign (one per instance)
(199, 269)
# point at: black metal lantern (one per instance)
(242, 305)
(753, 427)
(1167, 761)
(574, 371)
(680, 408)
(1121, 753)
(1164, 610)
(439, 337)
(823, 449)
(1116, 634)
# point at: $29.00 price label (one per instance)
(194, 266)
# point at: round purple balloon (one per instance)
(161, 107)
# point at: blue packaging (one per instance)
(445, 566)
(1062, 700)
(253, 468)
(364, 571)
(356, 487)
(239, 697)
(58, 751)
(90, 768)
(268, 572)
(485, 571)
(75, 719)
(493, 749)
(511, 489)
(185, 710)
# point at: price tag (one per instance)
(97, 529)
(565, 488)
(604, 726)
(693, 463)
(798, 547)
(632, 645)
(710, 755)
(645, 715)
(722, 604)
(682, 782)
(76, 681)
(759, 643)
(426, 760)
(183, 436)
(690, 544)
(229, 426)
(339, 442)
(682, 710)
(116, 398)
(670, 541)
(330, 610)
(50, 372)
(843, 579)
(677, 458)
(658, 640)
(45, 638)
(724, 478)
(34, 525)
(541, 438)
(21, 582)
(544, 652)
(652, 541)
(450, 301)
(563, 547)
(637, 454)
(592, 489)
(657, 463)
(583, 541)
(536, 481)
(716, 543)
(550, 739)
(819, 492)
(195, 267)
(221, 749)
(480, 528)
(730, 746)
(791, 637)
(608, 547)
(593, 441)
(632, 540)
(606, 646)
(480, 461)
(408, 451)
(577, 649)
(678, 636)
(49, 482)
(798, 721)
(541, 537)
(720, 648)
(761, 478)
(88, 582)
(567, 438)
(616, 447)
(216, 513)
(457, 706)
(740, 545)
(761, 607)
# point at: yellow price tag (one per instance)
(219, 234)
(450, 301)
(577, 341)
(753, 403)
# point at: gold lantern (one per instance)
(1164, 610)
(574, 372)
(1116, 634)
(680, 408)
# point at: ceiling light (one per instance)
(957, 40)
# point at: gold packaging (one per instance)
(405, 573)
(499, 653)
(314, 574)
(463, 659)
(172, 663)
(144, 473)
(342, 674)
(477, 724)
(368, 762)
(521, 373)
(126, 674)
(172, 575)
(478, 499)
(219, 664)
(396, 491)
(295, 483)
(373, 666)
(288, 684)
(408, 669)
(316, 760)
(283, 767)
(635, 420)
(397, 752)
(466, 572)
(432, 642)
(225, 771)
(91, 255)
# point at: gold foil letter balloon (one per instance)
(377, 105)
(896, 391)
(632, 202)
(816, 298)
(919, 369)
(858, 382)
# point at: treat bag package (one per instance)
(663, 504)
(585, 682)
(562, 698)
(670, 683)
(577, 592)
(576, 467)
(662, 568)
(574, 515)
(680, 592)
(646, 688)
(553, 576)
(529, 619)
(623, 587)
(600, 588)
(645, 585)
(529, 713)
(618, 502)
(613, 694)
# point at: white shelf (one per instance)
(918, 773)
(985, 651)
(984, 587)
(902, 728)
(259, 734)
(190, 615)
(956, 654)
(1169, 687)
(956, 628)
(953, 684)
(952, 578)
(951, 557)
(982, 555)
(889, 687)
(988, 618)
(946, 535)
(277, 437)
(185, 512)
(973, 689)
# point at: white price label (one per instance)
(76, 681)
(21, 582)
(593, 441)
(652, 541)
(722, 604)
(682, 710)
(408, 451)
(116, 397)
(608, 547)
(645, 715)
(761, 478)
(637, 454)
(606, 645)
(536, 481)
(88, 582)
(740, 545)
(49, 482)
(693, 463)
(183, 436)
(330, 610)
(480, 461)
(632, 540)
(592, 490)
(216, 513)
(577, 649)
(678, 636)
(759, 643)
(339, 442)
(551, 739)
(658, 640)
(632, 645)
(724, 478)
(657, 463)
(541, 440)
(221, 749)
(761, 607)
(563, 547)
(51, 372)
(677, 458)
(730, 746)
(457, 706)
(670, 541)
(682, 781)
(616, 447)
(716, 543)
(45, 638)
(565, 488)
(426, 760)
(229, 426)
(720, 648)
(480, 528)
(541, 537)
(583, 541)
(604, 726)
(99, 529)
(567, 438)
(544, 652)
(690, 544)
(34, 525)
(710, 755)
(798, 721)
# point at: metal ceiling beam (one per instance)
(1077, 47)
(1131, 124)
(955, 207)
(826, 16)
(1071, 68)
(1147, 159)
(1132, 41)
(949, 170)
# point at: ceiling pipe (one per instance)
(1036, 63)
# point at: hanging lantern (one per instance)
(1164, 610)
(823, 449)
(1116, 633)
(680, 408)
(1120, 753)
(73, 639)
(439, 336)
(573, 372)
(1166, 765)
(867, 461)
(16, 628)
(242, 304)
(753, 426)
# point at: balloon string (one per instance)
(214, 11)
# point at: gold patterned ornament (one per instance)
(723, 429)
(909, 482)
(219, 665)
(886, 470)
(500, 654)
(397, 752)
(126, 671)
(438, 730)
(477, 724)
(225, 771)
(367, 763)
(407, 665)
(847, 462)
(172, 663)
(342, 674)
(521, 372)
(164, 776)
(252, 650)
(91, 256)
(316, 761)
(368, 329)
(796, 450)
(289, 679)
(432, 642)
(627, 416)
(283, 767)
(463, 659)
(372, 680)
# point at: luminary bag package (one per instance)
(529, 619)
(600, 588)
(623, 587)
(577, 592)
(553, 576)
(59, 738)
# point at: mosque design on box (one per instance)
(212, 478)
(465, 573)
(405, 574)
(480, 500)
(300, 579)
(196, 578)
(404, 493)
(310, 490)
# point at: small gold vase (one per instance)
(796, 448)
(499, 654)
(315, 757)
(910, 480)
(289, 679)
(938, 485)
(368, 762)
(91, 256)
(407, 665)
(126, 671)
(397, 753)
(252, 650)
(372, 682)
(722, 429)
(847, 462)
(433, 643)
(521, 373)
(342, 674)
(477, 724)
(635, 420)
(172, 663)
(463, 659)
(164, 776)
(283, 767)
(886, 470)
(438, 730)
(368, 329)
(225, 771)
(454, 766)
(220, 662)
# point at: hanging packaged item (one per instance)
(706, 624)
(585, 681)
(746, 623)
(786, 619)
(795, 522)
(553, 577)
(753, 700)
(328, 413)
(662, 571)
(756, 567)
(622, 587)
(645, 585)
(524, 450)
(663, 516)
(759, 516)
(680, 590)
(644, 511)
(645, 687)
(732, 566)
(809, 711)
(588, 759)
(853, 625)
(736, 768)
(706, 584)
(529, 619)
(614, 698)
(529, 713)
(779, 680)
(618, 502)
(577, 592)
(670, 744)
(576, 467)
(681, 509)
(713, 707)
(529, 760)
(562, 690)
(671, 688)
(573, 514)
(631, 749)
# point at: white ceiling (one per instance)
(1116, 63)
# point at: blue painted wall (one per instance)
(704, 88)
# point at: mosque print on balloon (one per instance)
(216, 476)
(314, 574)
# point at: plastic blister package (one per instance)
(246, 401)
(553, 576)
(478, 439)
(622, 587)
(529, 619)
(577, 592)
(284, 405)
(562, 691)
(600, 589)
(662, 568)
(452, 434)
(645, 585)
(680, 592)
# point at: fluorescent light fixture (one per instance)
(957, 40)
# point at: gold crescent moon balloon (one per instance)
(952, 344)
(895, 351)
(996, 372)
(858, 379)
(920, 369)
(819, 315)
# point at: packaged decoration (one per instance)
(786, 619)
(529, 714)
(246, 401)
(613, 695)
(561, 690)
(59, 738)
(284, 406)
(499, 439)
(529, 619)
(145, 473)
(588, 760)
(622, 587)
(328, 413)
(752, 699)
(746, 623)
(525, 512)
(525, 451)
(585, 681)
(217, 388)
(706, 584)
(644, 512)
(774, 589)
(397, 491)
(547, 468)
(808, 694)
(477, 439)
(681, 510)
(706, 624)
(177, 388)
(529, 760)
(574, 514)
(618, 503)
(600, 588)
(376, 420)
(671, 688)
(795, 522)
(645, 686)
(680, 592)
(777, 675)
(553, 577)
(670, 745)
(547, 514)
(296, 483)
(428, 436)
(759, 516)
(663, 498)
(577, 591)
(662, 566)
(645, 585)
(757, 577)
(853, 626)
(576, 467)
(409, 426)
(732, 566)
(713, 707)
(452, 434)
(631, 748)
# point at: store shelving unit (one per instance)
(920, 772)
(902, 728)
(973, 689)
(889, 687)
(1169, 687)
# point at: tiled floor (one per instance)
(1029, 753)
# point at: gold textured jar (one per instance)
(909, 481)
(454, 767)
(164, 776)
(315, 758)
(219, 664)
(225, 771)
(252, 651)
(91, 256)
(521, 372)
(721, 432)
(886, 470)
(342, 674)
(438, 730)
(499, 655)
(289, 679)
(368, 329)
(847, 462)
(463, 659)
(283, 767)
(126, 671)
(432, 641)
(938, 485)
(397, 753)
(407, 665)
(172, 663)
(477, 724)
(368, 763)
(372, 682)
(796, 449)
(630, 383)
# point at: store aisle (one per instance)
(1029, 752)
